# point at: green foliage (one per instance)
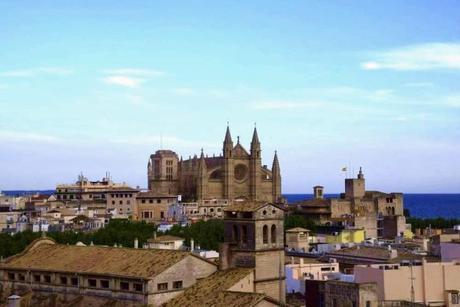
(117, 231)
(292, 221)
(206, 234)
(434, 222)
(13, 244)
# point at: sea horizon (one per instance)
(420, 205)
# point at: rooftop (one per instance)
(45, 254)
(297, 229)
(248, 206)
(212, 291)
(165, 238)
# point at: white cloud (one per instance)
(276, 105)
(26, 136)
(130, 77)
(137, 72)
(124, 81)
(417, 57)
(33, 72)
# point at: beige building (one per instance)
(307, 268)
(153, 207)
(254, 238)
(298, 239)
(89, 274)
(236, 174)
(165, 242)
(430, 283)
(123, 200)
(379, 214)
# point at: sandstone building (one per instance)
(236, 174)
(379, 214)
(96, 275)
(254, 238)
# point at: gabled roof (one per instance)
(239, 151)
(249, 206)
(44, 254)
(213, 291)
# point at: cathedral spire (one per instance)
(228, 143)
(228, 136)
(255, 137)
(276, 164)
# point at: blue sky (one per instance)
(93, 86)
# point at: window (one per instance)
(151, 201)
(124, 285)
(158, 201)
(11, 276)
(47, 279)
(113, 202)
(63, 280)
(368, 303)
(74, 281)
(163, 286)
(244, 233)
(128, 202)
(104, 283)
(121, 202)
(21, 277)
(92, 283)
(455, 298)
(162, 214)
(273, 234)
(143, 201)
(235, 236)
(265, 234)
(37, 278)
(177, 284)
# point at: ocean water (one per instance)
(419, 205)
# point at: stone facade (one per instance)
(138, 277)
(254, 238)
(236, 174)
(380, 214)
(332, 293)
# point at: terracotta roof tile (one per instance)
(212, 291)
(140, 263)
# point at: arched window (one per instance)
(235, 236)
(244, 233)
(265, 234)
(273, 234)
(393, 210)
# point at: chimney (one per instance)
(192, 245)
(318, 192)
(136, 243)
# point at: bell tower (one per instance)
(254, 237)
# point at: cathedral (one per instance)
(234, 175)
